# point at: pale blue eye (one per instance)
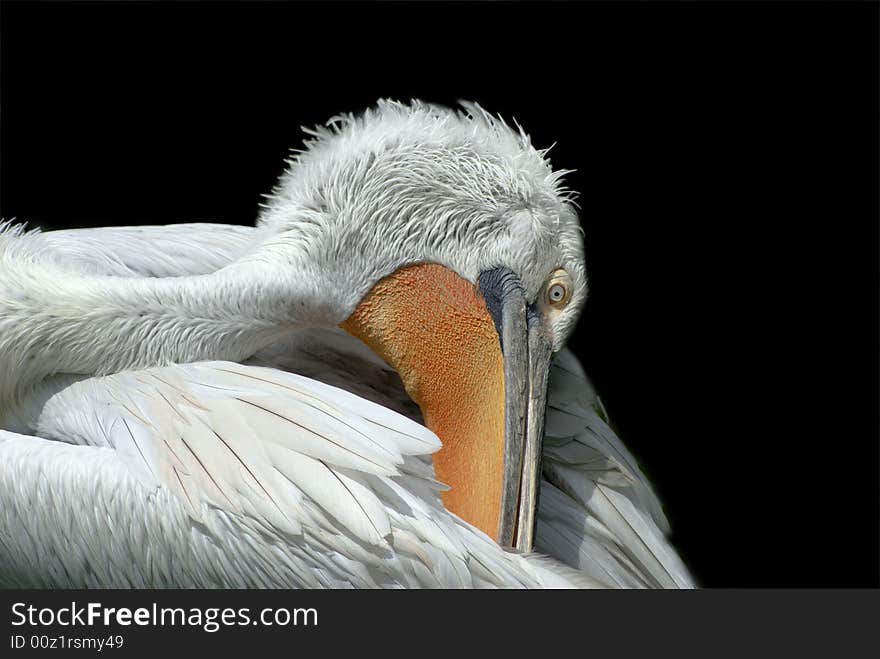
(556, 293)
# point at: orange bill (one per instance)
(461, 351)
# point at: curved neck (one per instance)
(92, 325)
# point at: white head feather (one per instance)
(397, 185)
(403, 184)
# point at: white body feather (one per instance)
(174, 471)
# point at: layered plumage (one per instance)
(128, 460)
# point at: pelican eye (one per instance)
(558, 289)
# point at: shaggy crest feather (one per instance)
(8, 229)
(411, 183)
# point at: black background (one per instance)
(727, 160)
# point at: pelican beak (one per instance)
(526, 353)
(475, 360)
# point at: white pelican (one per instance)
(180, 408)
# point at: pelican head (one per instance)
(444, 241)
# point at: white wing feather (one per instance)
(178, 460)
(242, 438)
(599, 512)
(188, 480)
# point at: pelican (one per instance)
(369, 389)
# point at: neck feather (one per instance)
(63, 323)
